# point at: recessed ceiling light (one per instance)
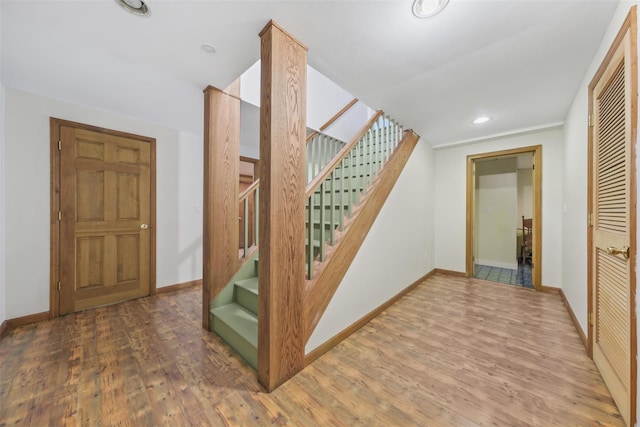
(208, 48)
(428, 8)
(137, 7)
(481, 119)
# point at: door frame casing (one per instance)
(629, 24)
(54, 270)
(536, 150)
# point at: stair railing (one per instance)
(250, 237)
(339, 187)
(321, 148)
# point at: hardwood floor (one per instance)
(454, 352)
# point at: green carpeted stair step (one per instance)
(238, 327)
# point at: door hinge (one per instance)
(590, 219)
(590, 319)
(58, 286)
(590, 120)
(59, 215)
(533, 166)
(59, 145)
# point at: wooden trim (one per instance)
(54, 226)
(274, 24)
(339, 114)
(246, 179)
(27, 320)
(536, 150)
(154, 223)
(220, 188)
(450, 272)
(332, 119)
(345, 333)
(574, 319)
(320, 291)
(550, 289)
(249, 159)
(10, 324)
(248, 190)
(215, 89)
(179, 286)
(633, 204)
(538, 224)
(283, 104)
(470, 215)
(98, 129)
(3, 328)
(256, 165)
(337, 159)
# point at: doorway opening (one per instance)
(504, 218)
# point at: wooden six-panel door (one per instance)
(105, 218)
(612, 228)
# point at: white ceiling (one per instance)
(518, 61)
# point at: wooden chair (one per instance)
(526, 248)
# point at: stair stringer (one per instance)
(320, 290)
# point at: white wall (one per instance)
(324, 100)
(2, 235)
(575, 181)
(450, 199)
(397, 251)
(27, 178)
(497, 203)
(2, 204)
(525, 194)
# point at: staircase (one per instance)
(338, 183)
(234, 317)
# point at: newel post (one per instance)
(221, 182)
(282, 206)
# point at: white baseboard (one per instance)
(509, 265)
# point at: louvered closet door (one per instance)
(611, 238)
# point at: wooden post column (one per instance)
(282, 218)
(221, 180)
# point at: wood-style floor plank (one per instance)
(453, 352)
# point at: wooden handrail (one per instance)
(248, 191)
(332, 119)
(315, 183)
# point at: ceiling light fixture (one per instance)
(137, 7)
(428, 8)
(481, 119)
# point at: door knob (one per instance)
(145, 226)
(624, 251)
